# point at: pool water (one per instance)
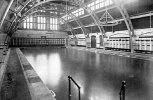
(99, 75)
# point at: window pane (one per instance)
(27, 25)
(51, 20)
(38, 26)
(24, 25)
(44, 26)
(106, 2)
(56, 21)
(31, 24)
(44, 20)
(97, 1)
(30, 19)
(38, 19)
(110, 1)
(97, 6)
(50, 27)
(101, 4)
(41, 19)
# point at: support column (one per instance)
(126, 17)
(97, 22)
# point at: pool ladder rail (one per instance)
(70, 79)
(122, 91)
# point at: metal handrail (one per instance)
(122, 91)
(71, 79)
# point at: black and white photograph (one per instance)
(76, 49)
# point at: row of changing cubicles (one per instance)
(144, 44)
(20, 41)
(140, 44)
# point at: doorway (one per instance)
(101, 41)
(93, 41)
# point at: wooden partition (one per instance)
(19, 42)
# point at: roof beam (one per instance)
(69, 26)
(38, 4)
(21, 20)
(79, 23)
(22, 8)
(96, 20)
(12, 11)
(6, 12)
(98, 11)
(121, 19)
(26, 3)
(73, 16)
(20, 3)
(8, 21)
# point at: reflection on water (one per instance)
(98, 75)
(48, 67)
(54, 69)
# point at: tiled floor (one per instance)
(14, 86)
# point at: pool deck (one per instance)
(19, 81)
(117, 53)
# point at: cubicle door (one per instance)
(101, 41)
(93, 41)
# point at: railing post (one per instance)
(69, 95)
(122, 91)
(71, 79)
(79, 93)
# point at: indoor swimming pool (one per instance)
(99, 75)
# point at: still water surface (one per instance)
(99, 75)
